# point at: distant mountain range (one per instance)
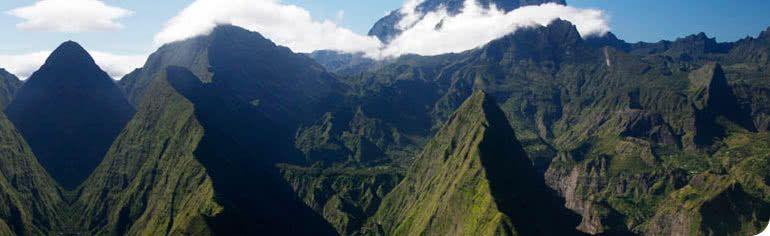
(540, 132)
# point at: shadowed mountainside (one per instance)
(69, 111)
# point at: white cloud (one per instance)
(287, 25)
(476, 26)
(409, 14)
(292, 26)
(117, 65)
(69, 16)
(23, 65)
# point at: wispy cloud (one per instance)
(23, 65)
(69, 16)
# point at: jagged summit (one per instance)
(557, 42)
(69, 112)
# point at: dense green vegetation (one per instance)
(150, 182)
(30, 201)
(616, 128)
(472, 178)
(235, 135)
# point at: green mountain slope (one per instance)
(472, 178)
(177, 169)
(615, 129)
(150, 182)
(30, 201)
(345, 197)
(235, 135)
(200, 155)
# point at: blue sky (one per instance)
(630, 20)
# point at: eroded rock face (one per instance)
(595, 189)
(647, 125)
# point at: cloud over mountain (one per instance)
(69, 16)
(440, 32)
(429, 33)
(287, 25)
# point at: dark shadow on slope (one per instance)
(69, 112)
(732, 211)
(722, 102)
(534, 208)
(239, 149)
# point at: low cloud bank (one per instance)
(23, 65)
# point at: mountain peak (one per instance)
(91, 112)
(479, 101)
(69, 53)
(228, 30)
(556, 42)
(565, 28)
(476, 165)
